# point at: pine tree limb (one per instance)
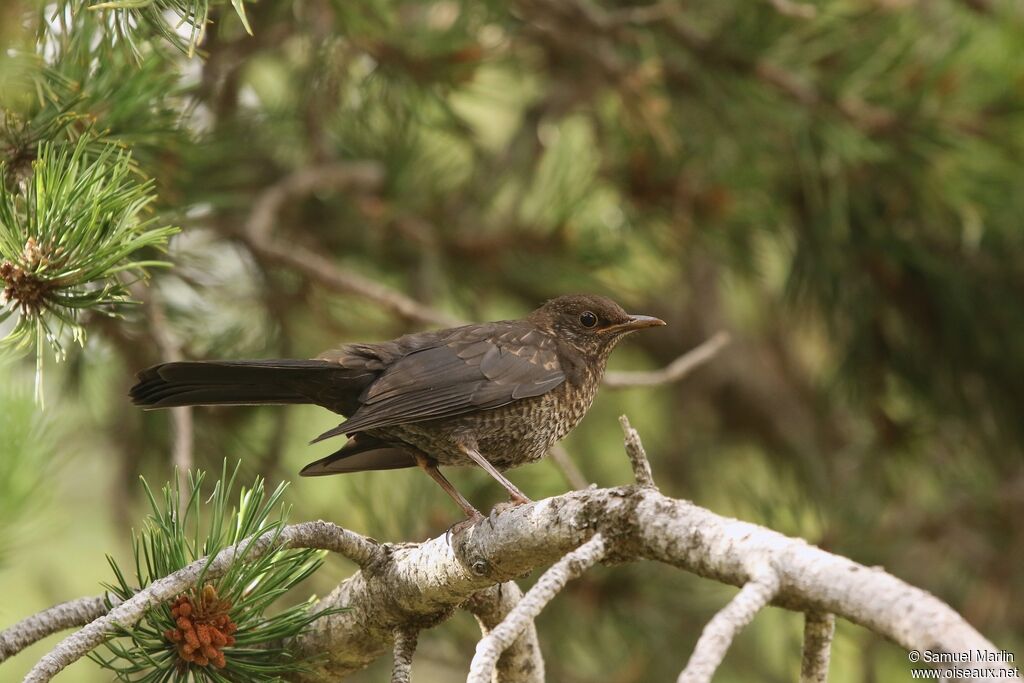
(522, 615)
(422, 583)
(565, 464)
(405, 648)
(719, 633)
(522, 661)
(637, 455)
(818, 631)
(322, 535)
(31, 630)
(340, 176)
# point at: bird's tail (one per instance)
(248, 382)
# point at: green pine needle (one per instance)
(176, 535)
(67, 243)
(133, 21)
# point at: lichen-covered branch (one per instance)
(522, 661)
(323, 535)
(719, 633)
(405, 648)
(80, 612)
(637, 455)
(522, 615)
(419, 584)
(818, 631)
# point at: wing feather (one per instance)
(476, 368)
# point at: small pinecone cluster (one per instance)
(204, 627)
(21, 284)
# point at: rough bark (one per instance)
(522, 662)
(419, 584)
(409, 587)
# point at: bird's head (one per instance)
(590, 323)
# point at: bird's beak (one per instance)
(635, 322)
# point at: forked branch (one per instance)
(818, 631)
(522, 661)
(405, 647)
(718, 635)
(522, 615)
(414, 585)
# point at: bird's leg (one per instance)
(429, 465)
(518, 497)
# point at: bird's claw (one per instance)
(463, 525)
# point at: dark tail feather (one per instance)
(248, 382)
(359, 454)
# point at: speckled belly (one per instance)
(509, 436)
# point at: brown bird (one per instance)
(497, 394)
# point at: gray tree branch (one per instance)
(818, 631)
(522, 615)
(417, 585)
(323, 535)
(421, 583)
(66, 615)
(719, 633)
(522, 661)
(405, 648)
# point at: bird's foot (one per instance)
(471, 520)
(519, 499)
(512, 502)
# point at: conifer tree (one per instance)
(835, 184)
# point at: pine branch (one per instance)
(68, 244)
(408, 585)
(718, 635)
(309, 535)
(30, 630)
(522, 661)
(818, 632)
(417, 583)
(502, 636)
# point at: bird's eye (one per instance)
(588, 319)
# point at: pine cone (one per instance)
(204, 628)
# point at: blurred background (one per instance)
(837, 185)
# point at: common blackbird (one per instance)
(497, 394)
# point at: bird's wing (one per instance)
(474, 368)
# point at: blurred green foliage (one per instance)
(837, 184)
(27, 451)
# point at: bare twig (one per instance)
(565, 464)
(674, 371)
(637, 455)
(521, 662)
(405, 647)
(819, 627)
(554, 579)
(80, 612)
(257, 235)
(322, 535)
(330, 275)
(718, 635)
(983, 7)
(339, 176)
(796, 10)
